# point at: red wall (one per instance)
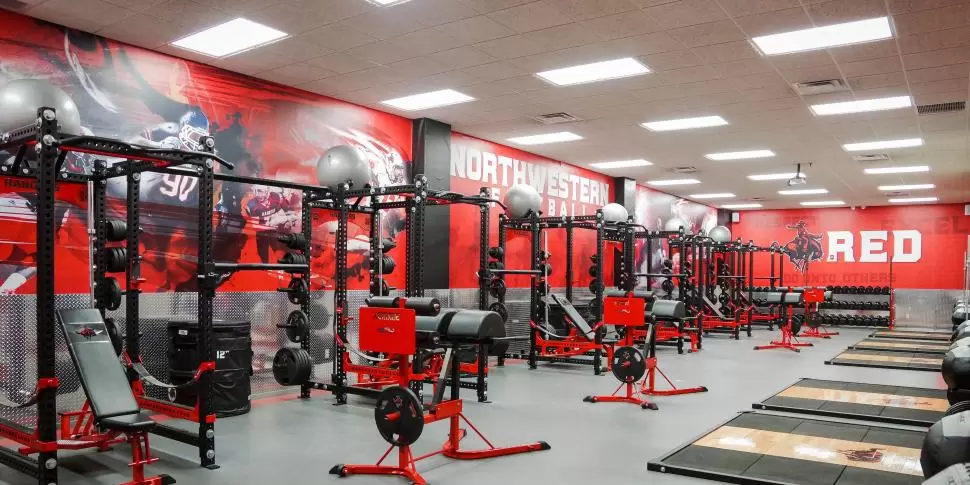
(931, 242)
(565, 190)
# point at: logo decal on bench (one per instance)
(88, 332)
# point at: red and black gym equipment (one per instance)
(812, 321)
(388, 326)
(787, 299)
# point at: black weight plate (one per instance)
(300, 291)
(112, 293)
(496, 253)
(294, 240)
(388, 264)
(292, 366)
(628, 364)
(796, 325)
(115, 230)
(813, 320)
(114, 334)
(496, 265)
(546, 269)
(115, 259)
(595, 285)
(297, 326)
(501, 309)
(592, 271)
(497, 288)
(388, 244)
(399, 416)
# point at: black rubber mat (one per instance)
(912, 406)
(762, 448)
(903, 345)
(888, 360)
(913, 334)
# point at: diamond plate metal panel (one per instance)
(926, 308)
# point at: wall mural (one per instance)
(267, 130)
(918, 247)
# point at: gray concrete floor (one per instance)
(295, 441)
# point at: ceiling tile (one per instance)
(801, 60)
(234, 6)
(862, 52)
(944, 57)
(938, 73)
(87, 15)
(731, 51)
(417, 67)
(338, 37)
(774, 22)
(906, 6)
(588, 9)
(422, 42)
(487, 6)
(293, 74)
(685, 75)
(813, 73)
(136, 5)
(296, 48)
(889, 80)
(685, 12)
(250, 64)
(383, 23)
(494, 71)
(622, 25)
(475, 29)
(757, 81)
(757, 65)
(384, 52)
(327, 11)
(341, 63)
(462, 57)
(956, 15)
(738, 8)
(944, 86)
(839, 11)
(288, 18)
(652, 3)
(645, 44)
(531, 16)
(449, 79)
(429, 13)
(517, 84)
(872, 66)
(144, 31)
(706, 34)
(563, 36)
(666, 61)
(930, 41)
(189, 14)
(511, 47)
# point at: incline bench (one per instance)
(104, 381)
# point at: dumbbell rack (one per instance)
(875, 308)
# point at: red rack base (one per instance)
(630, 397)
(648, 385)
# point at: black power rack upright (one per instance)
(414, 198)
(534, 224)
(51, 148)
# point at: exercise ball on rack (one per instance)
(956, 367)
(343, 164)
(19, 100)
(520, 200)
(720, 234)
(614, 212)
(675, 224)
(947, 443)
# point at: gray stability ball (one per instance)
(720, 234)
(947, 443)
(963, 342)
(614, 212)
(675, 223)
(959, 315)
(960, 331)
(956, 367)
(342, 164)
(958, 474)
(19, 100)
(520, 199)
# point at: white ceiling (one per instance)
(698, 49)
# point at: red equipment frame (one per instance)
(788, 340)
(813, 297)
(397, 322)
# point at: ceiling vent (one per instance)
(757, 199)
(556, 118)
(897, 193)
(684, 170)
(932, 109)
(872, 157)
(813, 88)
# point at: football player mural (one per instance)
(266, 130)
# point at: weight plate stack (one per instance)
(292, 366)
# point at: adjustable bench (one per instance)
(104, 381)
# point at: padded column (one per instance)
(431, 147)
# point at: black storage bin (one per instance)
(233, 347)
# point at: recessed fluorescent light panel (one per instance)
(662, 183)
(910, 200)
(774, 176)
(386, 3)
(861, 106)
(740, 155)
(740, 206)
(557, 137)
(720, 195)
(230, 38)
(888, 170)
(597, 71)
(824, 37)
(803, 192)
(817, 203)
(434, 99)
(882, 145)
(639, 162)
(891, 188)
(684, 123)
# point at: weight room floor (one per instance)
(293, 441)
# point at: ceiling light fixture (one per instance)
(824, 37)
(888, 170)
(230, 38)
(433, 99)
(719, 195)
(597, 71)
(862, 106)
(817, 203)
(882, 145)
(386, 3)
(775, 176)
(684, 123)
(907, 200)
(662, 183)
(741, 206)
(890, 188)
(803, 192)
(740, 155)
(558, 137)
(639, 162)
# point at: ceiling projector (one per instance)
(797, 180)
